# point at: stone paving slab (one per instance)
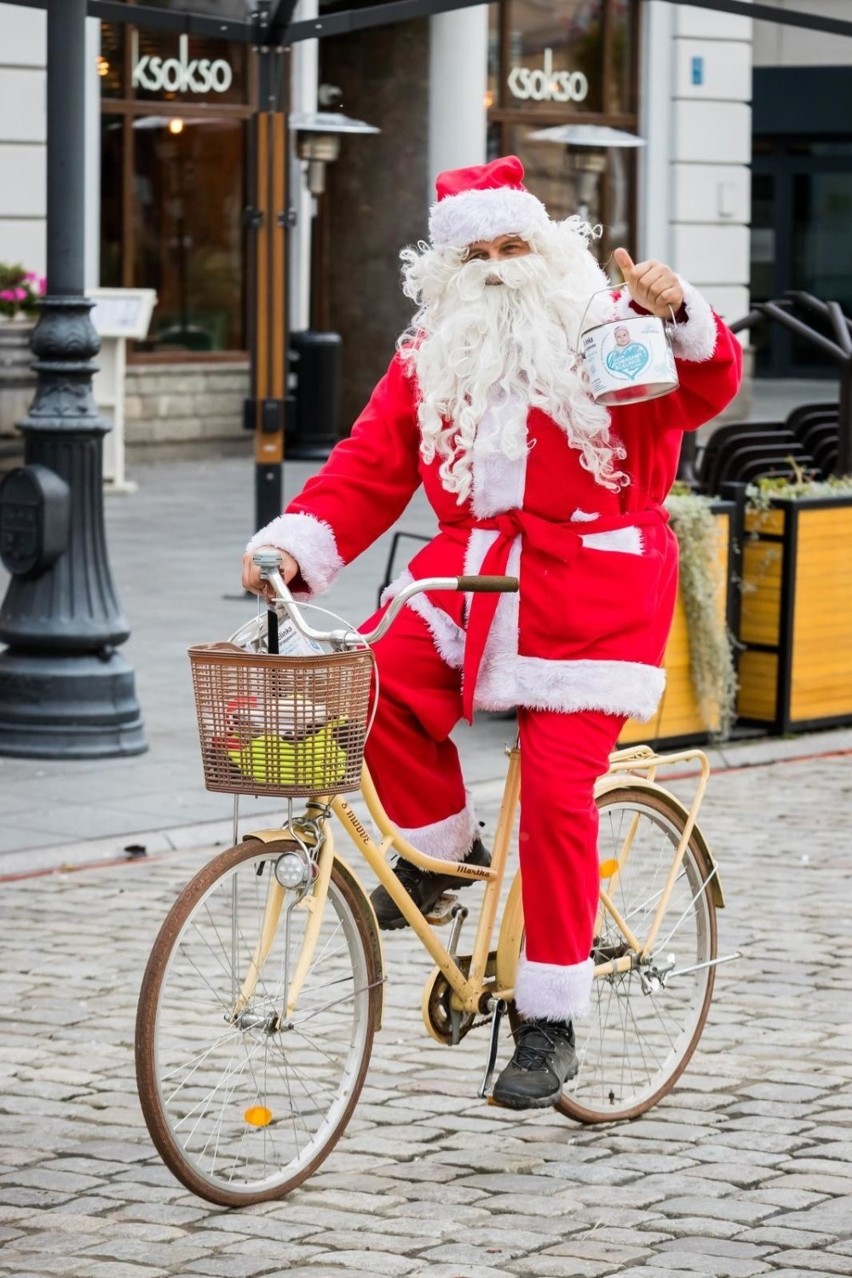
(744, 1170)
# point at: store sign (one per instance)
(546, 85)
(182, 74)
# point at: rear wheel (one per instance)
(645, 1023)
(242, 1102)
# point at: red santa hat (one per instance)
(483, 202)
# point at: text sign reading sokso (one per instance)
(182, 74)
(543, 84)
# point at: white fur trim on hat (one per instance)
(459, 220)
(553, 991)
(310, 541)
(696, 338)
(615, 687)
(448, 840)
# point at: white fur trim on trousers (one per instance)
(450, 839)
(552, 991)
(310, 541)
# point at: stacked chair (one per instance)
(743, 452)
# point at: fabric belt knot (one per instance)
(560, 540)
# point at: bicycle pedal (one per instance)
(442, 910)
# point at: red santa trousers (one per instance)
(418, 775)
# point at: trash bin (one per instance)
(315, 363)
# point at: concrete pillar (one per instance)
(458, 79)
(695, 195)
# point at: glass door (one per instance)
(801, 214)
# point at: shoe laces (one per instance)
(536, 1056)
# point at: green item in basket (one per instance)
(317, 760)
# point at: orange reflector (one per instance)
(258, 1116)
(608, 868)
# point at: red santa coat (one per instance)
(598, 569)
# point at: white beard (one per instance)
(472, 340)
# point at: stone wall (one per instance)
(185, 405)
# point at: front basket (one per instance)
(287, 726)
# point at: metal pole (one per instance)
(64, 690)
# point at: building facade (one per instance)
(743, 179)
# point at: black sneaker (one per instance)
(543, 1062)
(424, 888)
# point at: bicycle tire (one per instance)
(615, 1081)
(243, 1112)
(635, 1045)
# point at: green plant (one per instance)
(710, 647)
(20, 290)
(761, 493)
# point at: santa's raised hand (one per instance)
(651, 284)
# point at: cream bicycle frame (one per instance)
(635, 767)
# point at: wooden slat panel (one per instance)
(821, 681)
(758, 673)
(760, 610)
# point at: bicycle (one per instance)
(263, 990)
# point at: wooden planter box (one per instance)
(679, 718)
(795, 628)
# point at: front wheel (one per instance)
(242, 1102)
(645, 1023)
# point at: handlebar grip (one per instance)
(489, 585)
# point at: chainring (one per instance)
(438, 1013)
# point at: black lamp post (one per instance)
(64, 690)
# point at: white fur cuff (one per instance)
(696, 339)
(552, 991)
(449, 840)
(310, 541)
(463, 219)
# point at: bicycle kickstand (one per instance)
(497, 1006)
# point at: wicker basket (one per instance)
(288, 726)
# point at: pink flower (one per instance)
(42, 283)
(8, 295)
(19, 294)
(31, 275)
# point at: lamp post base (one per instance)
(55, 706)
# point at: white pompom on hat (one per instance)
(483, 202)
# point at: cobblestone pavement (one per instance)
(744, 1170)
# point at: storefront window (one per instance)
(173, 181)
(189, 198)
(556, 54)
(180, 69)
(569, 62)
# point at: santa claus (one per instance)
(487, 405)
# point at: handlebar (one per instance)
(269, 564)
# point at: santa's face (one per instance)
(501, 249)
(472, 346)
